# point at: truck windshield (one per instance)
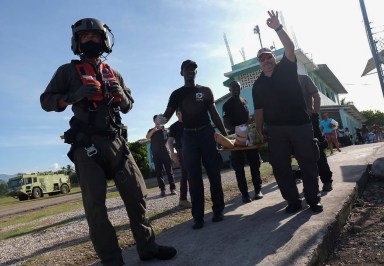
(15, 183)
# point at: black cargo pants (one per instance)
(132, 189)
(282, 140)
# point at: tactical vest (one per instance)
(88, 76)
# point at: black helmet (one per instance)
(86, 24)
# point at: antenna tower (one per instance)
(242, 52)
(228, 50)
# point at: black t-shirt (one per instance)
(158, 142)
(280, 96)
(193, 103)
(176, 131)
(236, 111)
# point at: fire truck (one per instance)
(33, 186)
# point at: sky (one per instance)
(152, 38)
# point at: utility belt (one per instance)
(80, 135)
(196, 128)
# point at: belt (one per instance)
(197, 128)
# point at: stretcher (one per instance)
(242, 148)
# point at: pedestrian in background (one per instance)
(328, 127)
(313, 102)
(161, 156)
(236, 113)
(175, 141)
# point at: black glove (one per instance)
(88, 90)
(117, 91)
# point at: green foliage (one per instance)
(74, 180)
(374, 117)
(3, 187)
(139, 153)
(345, 102)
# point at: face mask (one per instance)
(91, 49)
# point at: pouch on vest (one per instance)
(88, 76)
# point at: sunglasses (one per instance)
(264, 57)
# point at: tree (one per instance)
(139, 153)
(345, 102)
(3, 188)
(373, 117)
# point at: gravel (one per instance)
(63, 230)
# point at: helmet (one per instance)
(86, 24)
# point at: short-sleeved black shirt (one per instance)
(176, 131)
(280, 96)
(158, 142)
(193, 103)
(236, 111)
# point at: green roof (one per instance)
(247, 66)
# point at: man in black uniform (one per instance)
(279, 103)
(196, 104)
(98, 141)
(312, 100)
(176, 131)
(161, 156)
(236, 113)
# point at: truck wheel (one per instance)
(36, 193)
(64, 189)
(23, 197)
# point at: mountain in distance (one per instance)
(5, 177)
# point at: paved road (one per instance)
(261, 233)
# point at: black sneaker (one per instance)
(198, 225)
(163, 253)
(258, 195)
(316, 207)
(162, 193)
(293, 207)
(246, 199)
(327, 187)
(217, 217)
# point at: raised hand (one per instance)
(273, 21)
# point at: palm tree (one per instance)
(345, 102)
(69, 170)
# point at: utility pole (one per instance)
(372, 44)
(256, 30)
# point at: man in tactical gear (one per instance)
(98, 141)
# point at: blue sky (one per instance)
(153, 37)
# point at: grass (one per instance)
(32, 216)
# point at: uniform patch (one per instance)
(199, 97)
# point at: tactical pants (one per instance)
(184, 176)
(199, 146)
(324, 170)
(282, 140)
(164, 160)
(238, 163)
(132, 189)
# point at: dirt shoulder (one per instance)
(362, 239)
